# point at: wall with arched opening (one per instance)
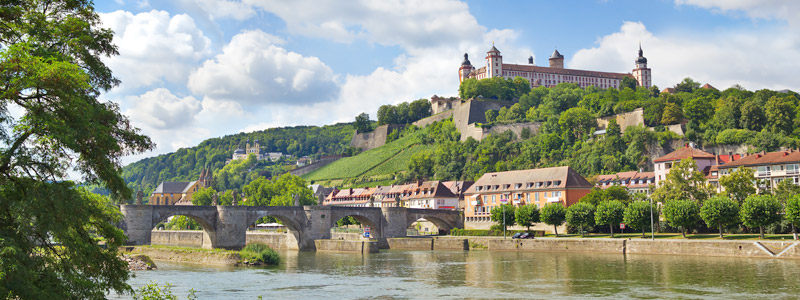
(290, 239)
(184, 238)
(419, 224)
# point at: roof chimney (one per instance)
(730, 155)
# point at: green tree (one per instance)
(420, 165)
(610, 213)
(577, 120)
(498, 212)
(182, 223)
(759, 211)
(362, 123)
(687, 85)
(792, 211)
(527, 215)
(739, 184)
(203, 196)
(53, 73)
(628, 82)
(153, 291)
(491, 116)
(720, 212)
(581, 214)
(684, 181)
(638, 215)
(553, 214)
(752, 116)
(785, 190)
(780, 113)
(682, 214)
(672, 114)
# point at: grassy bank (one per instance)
(253, 254)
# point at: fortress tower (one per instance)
(642, 73)
(556, 60)
(465, 69)
(494, 62)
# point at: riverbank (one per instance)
(731, 248)
(217, 257)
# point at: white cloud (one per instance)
(253, 70)
(160, 109)
(756, 60)
(411, 24)
(154, 47)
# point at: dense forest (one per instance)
(186, 163)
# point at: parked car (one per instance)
(517, 235)
(526, 235)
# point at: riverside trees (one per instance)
(720, 212)
(554, 214)
(51, 60)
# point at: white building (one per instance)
(555, 74)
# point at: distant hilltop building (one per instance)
(555, 74)
(255, 149)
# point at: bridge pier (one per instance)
(394, 222)
(231, 229)
(137, 223)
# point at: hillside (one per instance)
(761, 120)
(186, 163)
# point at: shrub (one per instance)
(259, 252)
(153, 291)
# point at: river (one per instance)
(482, 274)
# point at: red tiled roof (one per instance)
(668, 90)
(573, 72)
(727, 158)
(765, 159)
(685, 152)
(707, 86)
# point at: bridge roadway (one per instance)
(226, 226)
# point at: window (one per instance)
(536, 197)
(493, 199)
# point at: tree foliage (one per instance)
(682, 213)
(638, 215)
(720, 212)
(759, 211)
(553, 214)
(792, 213)
(404, 113)
(51, 60)
(526, 215)
(610, 213)
(280, 191)
(581, 215)
(684, 181)
(362, 123)
(494, 88)
(503, 213)
(739, 184)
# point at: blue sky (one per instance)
(196, 69)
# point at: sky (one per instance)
(198, 69)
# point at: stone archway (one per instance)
(294, 238)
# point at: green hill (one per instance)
(186, 163)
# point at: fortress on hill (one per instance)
(555, 74)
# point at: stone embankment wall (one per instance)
(434, 118)
(194, 238)
(634, 118)
(375, 138)
(197, 256)
(428, 243)
(365, 246)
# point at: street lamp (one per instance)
(652, 228)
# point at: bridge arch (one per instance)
(205, 217)
(441, 224)
(371, 217)
(293, 220)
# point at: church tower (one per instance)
(494, 63)
(465, 69)
(642, 73)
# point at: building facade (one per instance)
(180, 192)
(255, 149)
(555, 73)
(635, 182)
(421, 194)
(770, 168)
(535, 187)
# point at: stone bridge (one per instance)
(226, 226)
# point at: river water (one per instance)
(485, 275)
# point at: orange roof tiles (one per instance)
(685, 152)
(765, 159)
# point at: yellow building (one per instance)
(172, 192)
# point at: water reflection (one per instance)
(483, 274)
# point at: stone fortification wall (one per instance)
(434, 118)
(634, 118)
(316, 165)
(375, 138)
(473, 111)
